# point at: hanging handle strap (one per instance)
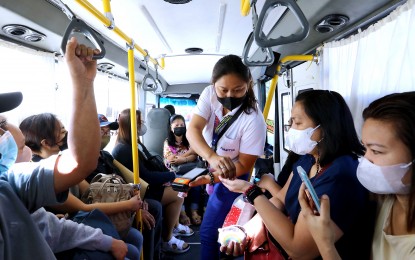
(263, 40)
(79, 26)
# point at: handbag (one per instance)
(260, 245)
(106, 188)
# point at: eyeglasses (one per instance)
(106, 132)
(288, 125)
(2, 131)
(2, 124)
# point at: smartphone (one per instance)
(182, 183)
(309, 186)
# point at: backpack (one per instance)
(151, 162)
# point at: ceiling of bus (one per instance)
(195, 24)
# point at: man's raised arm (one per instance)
(83, 137)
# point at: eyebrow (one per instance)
(374, 144)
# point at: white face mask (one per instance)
(383, 179)
(299, 141)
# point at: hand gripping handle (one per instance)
(79, 26)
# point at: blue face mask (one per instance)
(8, 151)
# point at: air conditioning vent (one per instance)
(105, 66)
(331, 22)
(194, 50)
(177, 2)
(22, 32)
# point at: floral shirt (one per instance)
(168, 150)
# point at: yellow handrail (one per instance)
(95, 12)
(245, 7)
(274, 80)
(133, 116)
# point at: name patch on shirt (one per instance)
(227, 150)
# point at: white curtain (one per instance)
(46, 86)
(31, 72)
(372, 63)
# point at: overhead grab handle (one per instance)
(269, 54)
(149, 83)
(264, 40)
(79, 28)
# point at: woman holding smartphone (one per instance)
(387, 170)
(323, 136)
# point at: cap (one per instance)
(103, 121)
(9, 101)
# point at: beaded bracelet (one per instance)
(212, 178)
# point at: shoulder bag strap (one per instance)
(227, 125)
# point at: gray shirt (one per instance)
(62, 234)
(23, 189)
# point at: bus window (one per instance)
(182, 106)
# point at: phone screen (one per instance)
(192, 174)
(309, 186)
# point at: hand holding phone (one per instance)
(182, 183)
(306, 180)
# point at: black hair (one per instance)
(171, 109)
(171, 139)
(329, 110)
(232, 64)
(35, 128)
(398, 109)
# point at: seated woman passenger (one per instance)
(387, 170)
(323, 134)
(158, 188)
(177, 152)
(45, 135)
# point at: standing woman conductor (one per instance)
(236, 150)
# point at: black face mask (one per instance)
(231, 102)
(179, 131)
(64, 142)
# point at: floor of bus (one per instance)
(194, 251)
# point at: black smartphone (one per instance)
(181, 183)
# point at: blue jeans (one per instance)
(218, 206)
(134, 241)
(152, 238)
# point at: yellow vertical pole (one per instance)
(270, 95)
(107, 6)
(133, 119)
(245, 6)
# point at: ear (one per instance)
(44, 143)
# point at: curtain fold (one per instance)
(378, 61)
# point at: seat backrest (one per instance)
(157, 130)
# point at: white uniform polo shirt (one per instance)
(246, 135)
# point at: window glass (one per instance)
(182, 106)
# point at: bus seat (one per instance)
(157, 130)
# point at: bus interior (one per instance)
(362, 49)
